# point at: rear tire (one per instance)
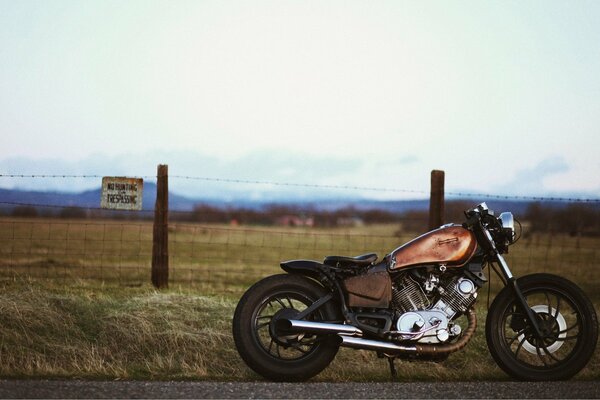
(567, 318)
(295, 357)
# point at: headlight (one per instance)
(508, 225)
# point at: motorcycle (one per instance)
(413, 304)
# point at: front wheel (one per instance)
(566, 318)
(282, 356)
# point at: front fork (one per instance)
(521, 300)
(512, 282)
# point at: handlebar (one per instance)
(487, 228)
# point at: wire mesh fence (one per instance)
(92, 244)
(105, 250)
(223, 258)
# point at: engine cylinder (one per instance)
(407, 295)
(458, 296)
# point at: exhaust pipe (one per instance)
(366, 344)
(345, 332)
(418, 349)
(294, 325)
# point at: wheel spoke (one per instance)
(277, 299)
(545, 348)
(514, 313)
(262, 325)
(271, 345)
(290, 302)
(568, 329)
(298, 347)
(537, 350)
(512, 340)
(520, 346)
(265, 316)
(564, 339)
(549, 303)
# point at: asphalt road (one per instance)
(267, 390)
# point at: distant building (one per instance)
(350, 221)
(294, 220)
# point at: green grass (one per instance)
(75, 299)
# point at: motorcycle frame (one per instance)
(326, 275)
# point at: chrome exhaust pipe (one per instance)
(294, 325)
(367, 344)
(417, 349)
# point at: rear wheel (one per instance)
(279, 355)
(566, 318)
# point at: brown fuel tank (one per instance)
(451, 245)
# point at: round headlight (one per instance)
(508, 224)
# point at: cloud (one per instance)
(291, 174)
(184, 168)
(531, 181)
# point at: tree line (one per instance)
(572, 219)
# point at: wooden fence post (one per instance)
(436, 200)
(160, 233)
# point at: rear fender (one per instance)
(303, 267)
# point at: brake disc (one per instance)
(562, 326)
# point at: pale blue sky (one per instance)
(504, 96)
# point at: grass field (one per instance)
(226, 259)
(75, 299)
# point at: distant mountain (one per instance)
(10, 198)
(86, 199)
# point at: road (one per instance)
(267, 390)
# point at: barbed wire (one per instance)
(393, 190)
(322, 186)
(51, 176)
(522, 197)
(306, 185)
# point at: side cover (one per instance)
(369, 290)
(451, 245)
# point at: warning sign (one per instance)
(121, 193)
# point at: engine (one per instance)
(426, 304)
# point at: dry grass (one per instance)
(112, 325)
(107, 332)
(112, 333)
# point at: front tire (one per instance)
(566, 317)
(277, 356)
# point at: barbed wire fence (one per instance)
(92, 243)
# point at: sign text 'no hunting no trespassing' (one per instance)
(120, 193)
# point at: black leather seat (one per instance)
(362, 260)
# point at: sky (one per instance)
(502, 96)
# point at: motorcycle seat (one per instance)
(362, 260)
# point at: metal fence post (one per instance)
(160, 232)
(436, 200)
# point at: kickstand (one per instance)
(392, 368)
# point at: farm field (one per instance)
(75, 298)
(227, 259)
